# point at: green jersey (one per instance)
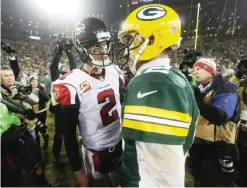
(160, 108)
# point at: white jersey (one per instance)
(100, 108)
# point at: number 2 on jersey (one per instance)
(104, 112)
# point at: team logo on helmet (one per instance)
(151, 13)
(79, 29)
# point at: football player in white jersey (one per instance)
(92, 98)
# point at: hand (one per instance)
(20, 116)
(29, 114)
(21, 95)
(14, 91)
(197, 93)
(81, 178)
(43, 129)
(59, 47)
(35, 89)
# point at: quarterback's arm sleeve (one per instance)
(72, 62)
(54, 66)
(221, 110)
(65, 94)
(70, 115)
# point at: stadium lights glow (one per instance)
(20, 20)
(58, 6)
(30, 22)
(34, 37)
(10, 18)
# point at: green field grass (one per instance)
(64, 175)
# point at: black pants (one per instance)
(51, 107)
(11, 171)
(242, 165)
(58, 136)
(42, 117)
(206, 168)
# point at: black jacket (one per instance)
(43, 97)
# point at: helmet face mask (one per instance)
(91, 38)
(131, 41)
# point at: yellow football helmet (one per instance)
(148, 31)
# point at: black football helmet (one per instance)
(89, 33)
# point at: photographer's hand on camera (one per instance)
(59, 47)
(14, 91)
(7, 47)
(29, 114)
(35, 90)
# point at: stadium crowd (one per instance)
(56, 75)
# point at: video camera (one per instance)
(241, 70)
(7, 47)
(26, 90)
(63, 42)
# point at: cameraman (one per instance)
(19, 149)
(56, 71)
(214, 152)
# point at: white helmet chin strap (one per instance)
(98, 63)
(139, 53)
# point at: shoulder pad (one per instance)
(64, 94)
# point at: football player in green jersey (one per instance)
(160, 111)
